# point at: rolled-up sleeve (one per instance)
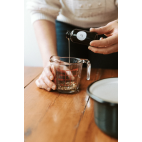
(43, 9)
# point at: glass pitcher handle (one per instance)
(88, 68)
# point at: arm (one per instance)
(46, 38)
(43, 14)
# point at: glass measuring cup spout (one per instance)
(88, 67)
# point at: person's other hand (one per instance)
(108, 45)
(45, 80)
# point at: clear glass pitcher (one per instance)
(67, 71)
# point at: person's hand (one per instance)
(45, 80)
(108, 45)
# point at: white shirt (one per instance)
(82, 13)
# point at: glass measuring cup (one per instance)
(67, 71)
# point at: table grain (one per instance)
(56, 117)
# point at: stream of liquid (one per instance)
(69, 48)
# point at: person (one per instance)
(52, 18)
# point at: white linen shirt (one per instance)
(82, 13)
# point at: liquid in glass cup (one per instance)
(67, 71)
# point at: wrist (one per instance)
(46, 62)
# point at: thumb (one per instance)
(101, 30)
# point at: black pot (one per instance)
(105, 113)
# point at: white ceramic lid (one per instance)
(105, 90)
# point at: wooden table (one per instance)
(55, 117)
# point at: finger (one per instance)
(105, 42)
(70, 75)
(53, 70)
(48, 73)
(67, 71)
(101, 30)
(41, 84)
(108, 50)
(47, 81)
(62, 67)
